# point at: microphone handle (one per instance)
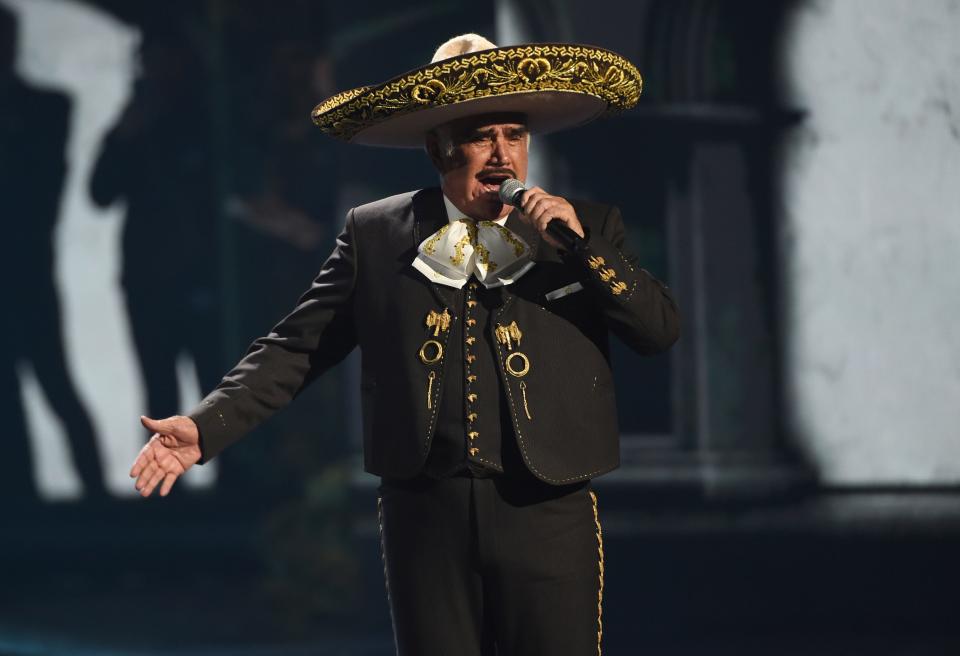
(567, 238)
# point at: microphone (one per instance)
(511, 193)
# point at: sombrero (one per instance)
(555, 85)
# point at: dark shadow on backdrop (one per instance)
(158, 161)
(33, 137)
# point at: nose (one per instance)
(498, 151)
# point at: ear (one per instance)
(432, 146)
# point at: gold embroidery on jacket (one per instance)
(438, 321)
(596, 520)
(506, 334)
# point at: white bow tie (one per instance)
(493, 253)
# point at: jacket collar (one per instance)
(430, 215)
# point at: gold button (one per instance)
(472, 417)
(471, 322)
(471, 358)
(471, 378)
(471, 340)
(471, 304)
(471, 397)
(473, 435)
(474, 450)
(472, 285)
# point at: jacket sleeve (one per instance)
(316, 335)
(639, 309)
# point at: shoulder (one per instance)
(385, 208)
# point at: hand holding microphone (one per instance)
(552, 216)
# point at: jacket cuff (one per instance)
(607, 270)
(213, 422)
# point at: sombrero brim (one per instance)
(556, 86)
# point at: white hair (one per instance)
(461, 45)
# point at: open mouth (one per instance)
(491, 183)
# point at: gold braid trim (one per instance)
(596, 520)
(501, 71)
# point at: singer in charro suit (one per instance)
(486, 388)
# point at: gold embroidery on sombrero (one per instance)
(338, 99)
(555, 67)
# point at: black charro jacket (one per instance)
(368, 295)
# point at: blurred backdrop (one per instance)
(791, 469)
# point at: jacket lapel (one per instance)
(429, 215)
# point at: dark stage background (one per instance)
(790, 471)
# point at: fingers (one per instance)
(147, 475)
(143, 458)
(154, 466)
(168, 482)
(530, 197)
(158, 475)
(540, 208)
(166, 455)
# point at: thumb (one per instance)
(158, 425)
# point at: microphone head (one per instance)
(510, 191)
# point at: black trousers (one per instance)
(483, 566)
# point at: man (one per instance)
(486, 390)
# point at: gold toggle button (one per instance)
(472, 417)
(471, 322)
(471, 303)
(471, 340)
(474, 450)
(471, 358)
(427, 359)
(471, 397)
(473, 435)
(521, 371)
(471, 378)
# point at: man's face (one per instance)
(487, 150)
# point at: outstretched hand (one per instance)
(172, 450)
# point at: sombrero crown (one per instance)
(555, 85)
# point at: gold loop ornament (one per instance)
(423, 352)
(518, 373)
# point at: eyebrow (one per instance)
(517, 131)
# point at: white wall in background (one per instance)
(872, 239)
(90, 56)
